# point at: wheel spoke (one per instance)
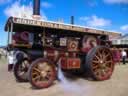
(98, 58)
(108, 54)
(35, 73)
(95, 62)
(106, 57)
(95, 67)
(98, 54)
(36, 78)
(48, 76)
(103, 51)
(37, 70)
(108, 62)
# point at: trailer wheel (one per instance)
(20, 70)
(41, 73)
(99, 63)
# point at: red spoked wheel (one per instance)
(42, 73)
(99, 62)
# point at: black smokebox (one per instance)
(36, 7)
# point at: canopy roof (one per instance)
(23, 24)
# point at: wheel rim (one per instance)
(42, 74)
(23, 69)
(102, 64)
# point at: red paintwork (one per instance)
(51, 54)
(70, 63)
(85, 50)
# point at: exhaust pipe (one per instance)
(72, 20)
(36, 9)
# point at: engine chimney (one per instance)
(36, 9)
(72, 20)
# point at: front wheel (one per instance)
(99, 63)
(20, 70)
(41, 73)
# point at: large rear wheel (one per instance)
(41, 73)
(99, 63)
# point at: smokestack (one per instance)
(36, 9)
(72, 20)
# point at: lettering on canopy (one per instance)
(48, 24)
(59, 26)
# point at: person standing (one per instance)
(124, 55)
(10, 61)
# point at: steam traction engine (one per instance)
(39, 47)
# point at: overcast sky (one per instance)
(104, 14)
